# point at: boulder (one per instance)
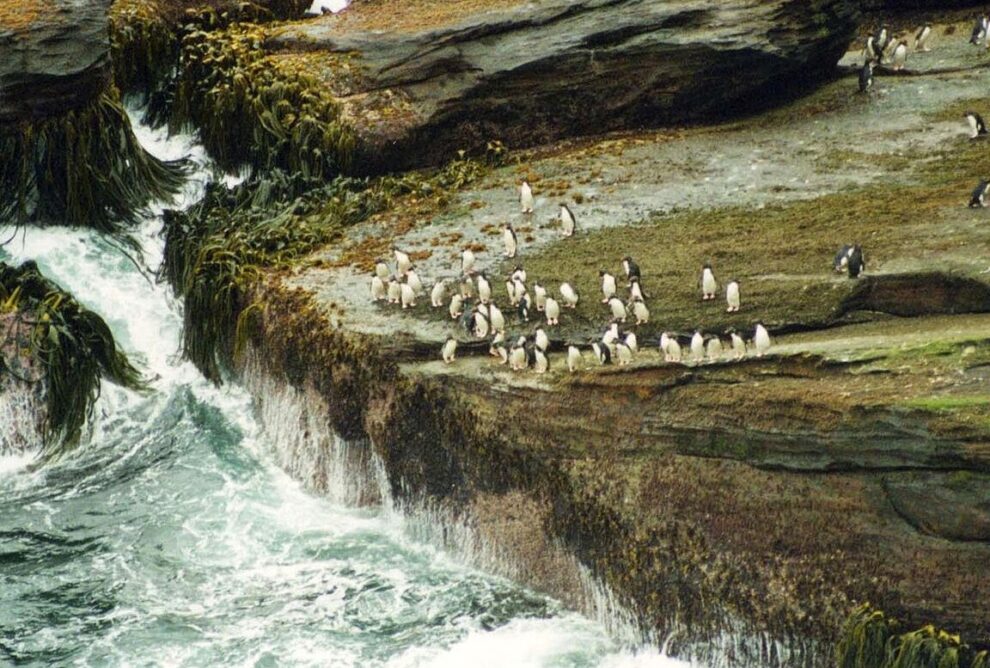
(418, 83)
(54, 56)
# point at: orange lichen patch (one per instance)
(411, 15)
(18, 15)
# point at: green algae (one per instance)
(68, 349)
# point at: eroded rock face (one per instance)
(540, 71)
(54, 57)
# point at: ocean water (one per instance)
(169, 537)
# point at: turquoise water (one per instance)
(169, 537)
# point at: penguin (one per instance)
(708, 283)
(841, 259)
(761, 340)
(978, 199)
(635, 291)
(510, 241)
(732, 296)
(321, 7)
(540, 339)
(519, 289)
(518, 359)
(869, 51)
(979, 31)
(664, 343)
(394, 290)
(402, 261)
(378, 290)
(408, 295)
(631, 268)
(608, 285)
(456, 306)
(467, 287)
(866, 77)
(539, 296)
(412, 278)
(673, 350)
(569, 295)
(502, 354)
(640, 312)
(497, 344)
(977, 127)
(467, 319)
(900, 55)
(381, 270)
(510, 289)
(448, 350)
(526, 197)
(697, 348)
(880, 40)
(438, 293)
(481, 326)
(567, 221)
(618, 309)
(714, 349)
(496, 318)
(519, 273)
(738, 346)
(602, 353)
(541, 363)
(573, 358)
(856, 264)
(921, 38)
(484, 288)
(623, 353)
(611, 334)
(523, 308)
(631, 342)
(552, 311)
(467, 261)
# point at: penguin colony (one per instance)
(470, 299)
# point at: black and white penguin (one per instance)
(497, 346)
(481, 323)
(567, 221)
(412, 278)
(870, 50)
(732, 296)
(713, 349)
(541, 361)
(467, 319)
(977, 127)
(394, 290)
(708, 283)
(569, 295)
(539, 296)
(856, 263)
(921, 38)
(611, 334)
(402, 261)
(631, 268)
(407, 295)
(378, 291)
(761, 340)
(841, 260)
(540, 339)
(519, 274)
(738, 345)
(496, 318)
(448, 350)
(518, 358)
(672, 351)
(552, 311)
(631, 341)
(608, 285)
(381, 270)
(635, 290)
(467, 287)
(523, 308)
(623, 353)
(881, 39)
(899, 57)
(526, 197)
(979, 34)
(467, 261)
(978, 199)
(456, 306)
(484, 288)
(618, 309)
(573, 358)
(602, 353)
(640, 312)
(510, 241)
(697, 348)
(438, 293)
(866, 77)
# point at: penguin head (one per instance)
(634, 279)
(602, 272)
(707, 266)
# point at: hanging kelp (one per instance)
(52, 343)
(84, 167)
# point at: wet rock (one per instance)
(537, 72)
(54, 57)
(952, 506)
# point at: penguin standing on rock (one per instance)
(856, 264)
(573, 358)
(394, 290)
(900, 55)
(402, 261)
(979, 34)
(602, 353)
(761, 340)
(539, 296)
(623, 353)
(567, 221)
(497, 346)
(412, 278)
(672, 353)
(611, 334)
(540, 339)
(618, 309)
(449, 348)
(552, 310)
(635, 291)
(381, 270)
(697, 348)
(408, 295)
(495, 318)
(456, 306)
(921, 38)
(708, 284)
(631, 269)
(481, 325)
(631, 341)
(977, 127)
(714, 349)
(378, 290)
(978, 199)
(438, 293)
(541, 362)
(518, 359)
(738, 346)
(608, 285)
(484, 288)
(467, 287)
(510, 241)
(467, 261)
(526, 197)
(523, 308)
(842, 259)
(640, 312)
(519, 274)
(866, 77)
